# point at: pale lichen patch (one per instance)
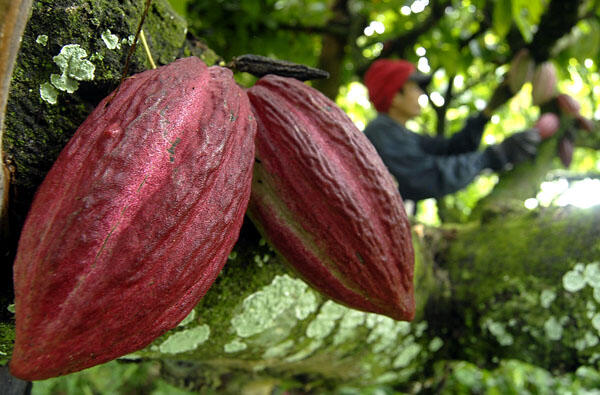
(131, 357)
(553, 329)
(348, 324)
(435, 344)
(307, 304)
(261, 309)
(407, 354)
(498, 330)
(387, 377)
(188, 319)
(74, 67)
(305, 352)
(596, 322)
(547, 297)
(325, 321)
(64, 83)
(234, 346)
(573, 280)
(186, 340)
(48, 93)
(71, 61)
(591, 274)
(279, 351)
(110, 40)
(385, 331)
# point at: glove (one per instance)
(515, 149)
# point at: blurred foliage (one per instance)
(512, 377)
(111, 378)
(450, 377)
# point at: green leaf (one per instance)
(502, 17)
(527, 14)
(588, 44)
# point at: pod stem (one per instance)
(261, 65)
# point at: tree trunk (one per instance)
(512, 284)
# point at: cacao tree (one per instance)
(501, 289)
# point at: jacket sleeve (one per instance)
(421, 175)
(466, 140)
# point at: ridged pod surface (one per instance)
(325, 201)
(135, 219)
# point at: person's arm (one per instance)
(422, 176)
(466, 140)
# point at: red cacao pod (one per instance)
(568, 104)
(325, 201)
(585, 123)
(565, 151)
(547, 124)
(135, 219)
(543, 83)
(521, 70)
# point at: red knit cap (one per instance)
(384, 78)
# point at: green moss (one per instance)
(7, 338)
(517, 287)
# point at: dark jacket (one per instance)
(427, 167)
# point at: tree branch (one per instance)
(332, 27)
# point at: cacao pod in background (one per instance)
(584, 123)
(568, 105)
(565, 151)
(135, 219)
(543, 83)
(547, 124)
(521, 70)
(324, 200)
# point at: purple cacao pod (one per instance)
(547, 124)
(325, 201)
(585, 123)
(568, 104)
(543, 83)
(565, 151)
(521, 70)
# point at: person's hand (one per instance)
(517, 148)
(520, 146)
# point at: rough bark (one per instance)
(14, 17)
